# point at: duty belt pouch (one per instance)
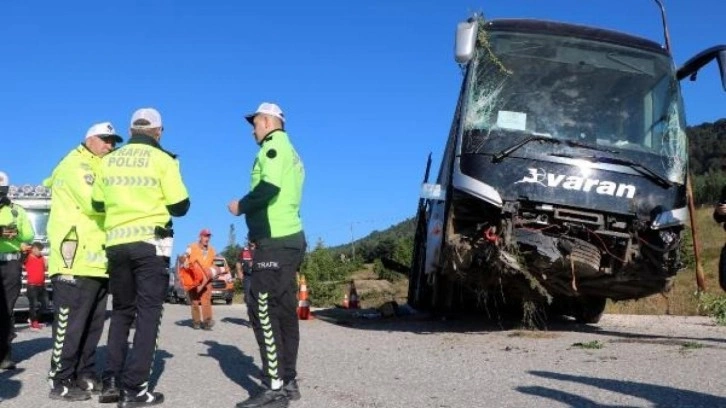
(163, 241)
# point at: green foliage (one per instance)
(707, 160)
(231, 254)
(691, 345)
(687, 256)
(590, 345)
(385, 273)
(714, 306)
(383, 244)
(707, 187)
(325, 273)
(707, 147)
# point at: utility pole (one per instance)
(352, 240)
(232, 240)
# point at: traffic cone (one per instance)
(345, 301)
(353, 297)
(303, 304)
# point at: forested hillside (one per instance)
(707, 150)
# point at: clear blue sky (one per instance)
(368, 88)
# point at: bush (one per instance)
(714, 306)
(384, 273)
(325, 273)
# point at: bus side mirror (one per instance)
(722, 67)
(465, 41)
(692, 66)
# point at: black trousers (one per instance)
(139, 282)
(80, 308)
(273, 306)
(37, 294)
(10, 281)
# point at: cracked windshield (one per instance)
(621, 100)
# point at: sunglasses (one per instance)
(109, 139)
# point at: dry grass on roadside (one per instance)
(534, 334)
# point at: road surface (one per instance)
(414, 361)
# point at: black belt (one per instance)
(10, 256)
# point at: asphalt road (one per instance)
(414, 361)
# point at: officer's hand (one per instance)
(233, 207)
(721, 209)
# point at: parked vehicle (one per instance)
(176, 292)
(36, 202)
(563, 179)
(222, 285)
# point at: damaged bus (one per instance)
(563, 179)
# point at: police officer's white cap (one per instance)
(4, 179)
(266, 108)
(150, 115)
(104, 130)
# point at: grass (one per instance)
(683, 298)
(534, 334)
(590, 345)
(691, 345)
(714, 306)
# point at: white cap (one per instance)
(4, 179)
(150, 115)
(103, 129)
(266, 108)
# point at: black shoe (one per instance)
(109, 391)
(7, 364)
(89, 383)
(292, 390)
(207, 325)
(67, 391)
(267, 398)
(143, 399)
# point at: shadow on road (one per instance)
(418, 323)
(159, 366)
(237, 320)
(23, 350)
(425, 323)
(184, 323)
(659, 396)
(235, 364)
(10, 386)
(626, 337)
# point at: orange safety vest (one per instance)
(193, 275)
(196, 253)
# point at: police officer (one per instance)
(141, 188)
(77, 266)
(244, 268)
(15, 233)
(272, 213)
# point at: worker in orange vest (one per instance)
(203, 253)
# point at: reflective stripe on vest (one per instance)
(137, 181)
(129, 232)
(94, 257)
